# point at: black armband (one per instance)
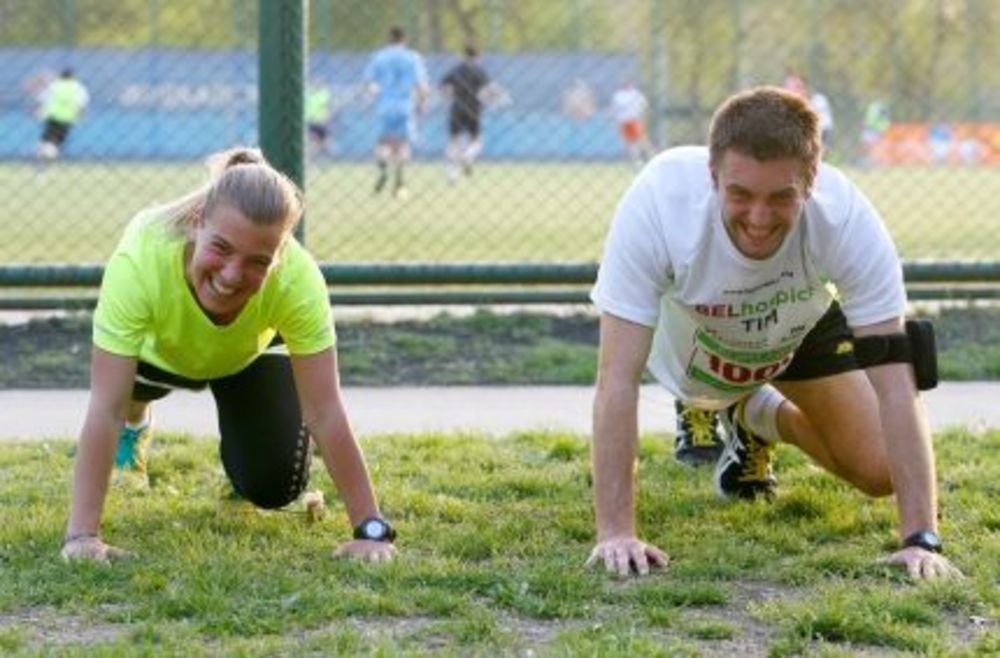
(917, 346)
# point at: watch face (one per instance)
(924, 539)
(931, 540)
(374, 529)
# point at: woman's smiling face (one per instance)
(229, 260)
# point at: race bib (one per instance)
(733, 370)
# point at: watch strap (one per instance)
(925, 539)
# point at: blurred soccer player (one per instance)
(628, 106)
(62, 104)
(466, 84)
(397, 77)
(318, 111)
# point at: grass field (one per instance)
(504, 212)
(493, 534)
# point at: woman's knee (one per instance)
(269, 494)
(269, 480)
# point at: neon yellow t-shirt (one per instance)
(317, 106)
(65, 101)
(146, 310)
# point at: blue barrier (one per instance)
(155, 103)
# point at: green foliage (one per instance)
(493, 535)
(910, 50)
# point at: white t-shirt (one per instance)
(628, 104)
(724, 323)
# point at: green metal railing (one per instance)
(417, 274)
(471, 283)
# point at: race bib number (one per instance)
(735, 371)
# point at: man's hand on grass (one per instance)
(923, 564)
(365, 549)
(91, 547)
(627, 555)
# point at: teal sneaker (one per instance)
(130, 458)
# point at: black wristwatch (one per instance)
(375, 529)
(925, 539)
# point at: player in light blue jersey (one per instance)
(397, 78)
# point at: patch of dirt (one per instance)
(42, 628)
(48, 627)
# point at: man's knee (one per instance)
(876, 487)
(871, 477)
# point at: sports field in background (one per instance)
(504, 212)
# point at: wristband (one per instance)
(80, 535)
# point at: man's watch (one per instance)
(375, 529)
(925, 539)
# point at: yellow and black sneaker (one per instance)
(744, 469)
(697, 441)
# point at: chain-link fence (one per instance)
(912, 89)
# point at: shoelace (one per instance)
(758, 460)
(130, 436)
(702, 425)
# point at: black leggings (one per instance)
(265, 446)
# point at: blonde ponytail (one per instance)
(242, 178)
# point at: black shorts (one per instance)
(55, 132)
(265, 446)
(463, 121)
(828, 349)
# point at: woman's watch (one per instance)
(925, 539)
(375, 529)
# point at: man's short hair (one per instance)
(396, 34)
(767, 123)
(471, 50)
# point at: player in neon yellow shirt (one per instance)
(62, 106)
(212, 290)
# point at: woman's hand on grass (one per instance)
(92, 547)
(627, 555)
(366, 549)
(923, 564)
